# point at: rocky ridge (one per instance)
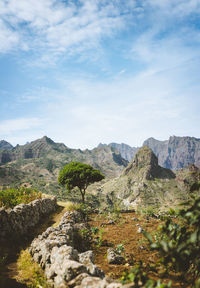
(174, 153)
(55, 155)
(4, 145)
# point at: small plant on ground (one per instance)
(139, 278)
(97, 235)
(119, 249)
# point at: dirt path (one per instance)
(8, 271)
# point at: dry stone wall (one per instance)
(63, 252)
(16, 222)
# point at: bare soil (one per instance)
(125, 231)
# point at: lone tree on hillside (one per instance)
(76, 174)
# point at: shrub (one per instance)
(140, 278)
(179, 244)
(12, 197)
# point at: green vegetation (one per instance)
(179, 244)
(141, 279)
(76, 174)
(12, 197)
(119, 248)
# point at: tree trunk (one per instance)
(83, 196)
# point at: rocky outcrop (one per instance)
(16, 222)
(177, 152)
(63, 254)
(145, 166)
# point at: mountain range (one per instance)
(146, 178)
(174, 153)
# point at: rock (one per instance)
(77, 281)
(135, 219)
(140, 230)
(113, 257)
(87, 258)
(93, 282)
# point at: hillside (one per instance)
(145, 183)
(38, 163)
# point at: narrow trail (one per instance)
(9, 272)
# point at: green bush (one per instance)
(179, 244)
(140, 278)
(12, 197)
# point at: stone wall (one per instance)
(16, 222)
(63, 252)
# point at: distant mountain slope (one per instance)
(177, 152)
(39, 163)
(4, 145)
(126, 151)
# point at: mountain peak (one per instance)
(4, 145)
(145, 166)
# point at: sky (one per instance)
(88, 71)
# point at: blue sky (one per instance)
(90, 71)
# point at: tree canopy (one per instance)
(76, 174)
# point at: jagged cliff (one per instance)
(177, 152)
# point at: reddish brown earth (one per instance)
(125, 231)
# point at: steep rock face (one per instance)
(126, 151)
(145, 166)
(4, 145)
(177, 152)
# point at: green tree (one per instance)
(76, 174)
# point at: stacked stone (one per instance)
(63, 254)
(16, 222)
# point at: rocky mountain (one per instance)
(38, 163)
(177, 152)
(174, 153)
(4, 145)
(126, 151)
(145, 183)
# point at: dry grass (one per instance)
(29, 272)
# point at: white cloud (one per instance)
(10, 126)
(57, 26)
